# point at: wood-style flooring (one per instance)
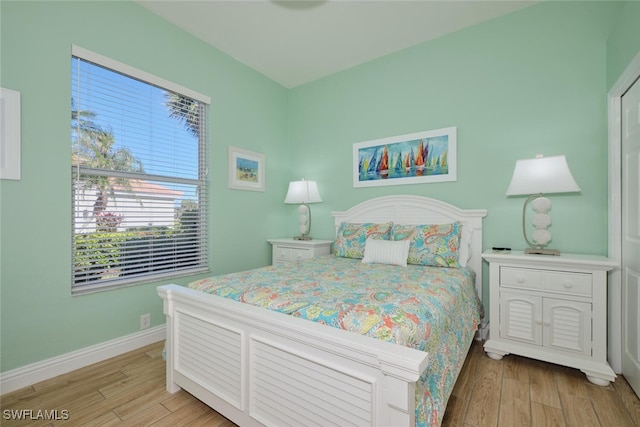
(129, 390)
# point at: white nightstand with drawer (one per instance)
(288, 250)
(551, 308)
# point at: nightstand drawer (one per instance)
(282, 253)
(569, 283)
(289, 250)
(520, 278)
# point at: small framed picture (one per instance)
(246, 169)
(9, 134)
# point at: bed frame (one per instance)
(258, 367)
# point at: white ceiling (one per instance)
(295, 42)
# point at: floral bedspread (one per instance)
(427, 308)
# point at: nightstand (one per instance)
(551, 308)
(288, 250)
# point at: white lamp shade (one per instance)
(542, 175)
(302, 192)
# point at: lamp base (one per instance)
(536, 251)
(302, 238)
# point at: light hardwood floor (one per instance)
(129, 390)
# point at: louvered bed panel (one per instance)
(290, 388)
(210, 354)
(273, 370)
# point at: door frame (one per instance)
(614, 100)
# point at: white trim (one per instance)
(114, 65)
(50, 368)
(9, 134)
(630, 75)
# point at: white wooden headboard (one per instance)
(413, 210)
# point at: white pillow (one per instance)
(465, 245)
(386, 252)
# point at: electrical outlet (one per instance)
(145, 321)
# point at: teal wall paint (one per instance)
(40, 318)
(533, 81)
(624, 41)
(530, 82)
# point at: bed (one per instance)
(253, 354)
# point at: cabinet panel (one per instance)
(567, 325)
(521, 317)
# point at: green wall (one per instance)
(531, 82)
(534, 81)
(624, 41)
(40, 319)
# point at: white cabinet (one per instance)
(289, 250)
(550, 322)
(552, 308)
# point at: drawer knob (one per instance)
(520, 279)
(567, 284)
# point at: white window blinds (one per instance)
(139, 184)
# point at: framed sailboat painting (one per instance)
(415, 158)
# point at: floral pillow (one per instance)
(352, 237)
(436, 245)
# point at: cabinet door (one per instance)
(567, 325)
(521, 317)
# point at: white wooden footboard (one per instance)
(258, 367)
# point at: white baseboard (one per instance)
(50, 368)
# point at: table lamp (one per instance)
(302, 193)
(533, 177)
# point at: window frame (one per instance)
(78, 287)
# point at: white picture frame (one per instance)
(436, 149)
(9, 134)
(246, 170)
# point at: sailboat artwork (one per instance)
(421, 157)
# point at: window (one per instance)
(139, 175)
